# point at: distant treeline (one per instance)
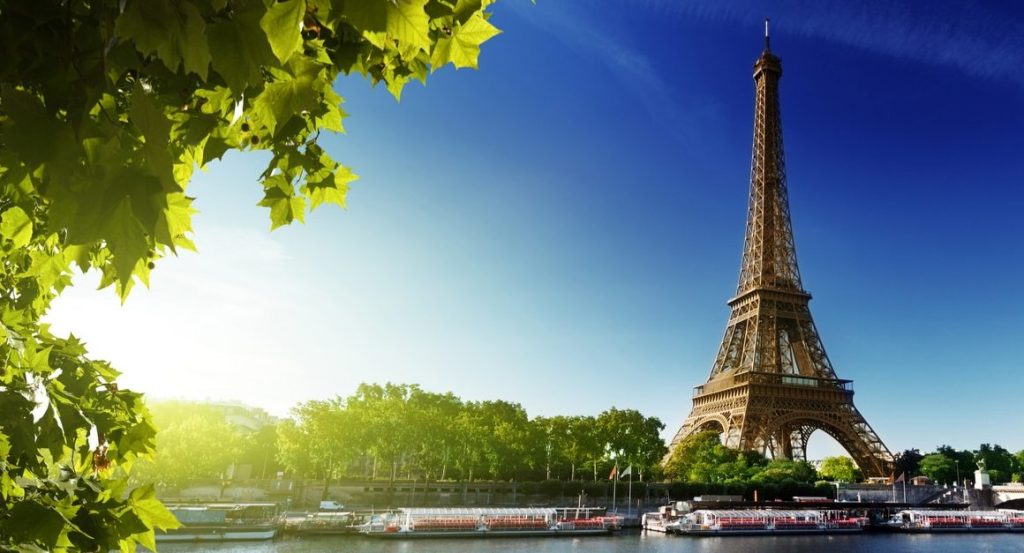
(400, 431)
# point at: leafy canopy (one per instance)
(106, 109)
(413, 433)
(839, 469)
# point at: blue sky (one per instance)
(563, 227)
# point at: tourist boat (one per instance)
(666, 519)
(323, 523)
(485, 523)
(222, 522)
(1015, 519)
(921, 520)
(733, 522)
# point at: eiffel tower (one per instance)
(772, 384)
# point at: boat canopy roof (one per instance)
(758, 513)
(478, 511)
(972, 514)
(220, 506)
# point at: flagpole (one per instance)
(615, 480)
(630, 503)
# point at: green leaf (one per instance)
(464, 9)
(216, 101)
(150, 24)
(5, 449)
(335, 194)
(403, 20)
(369, 15)
(40, 139)
(126, 239)
(282, 23)
(408, 23)
(174, 223)
(150, 510)
(332, 118)
(284, 205)
(29, 522)
(239, 46)
(175, 31)
(463, 48)
(296, 92)
(195, 51)
(16, 226)
(156, 129)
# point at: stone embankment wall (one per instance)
(307, 494)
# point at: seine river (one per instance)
(635, 542)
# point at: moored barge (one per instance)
(222, 522)
(666, 520)
(739, 522)
(920, 520)
(410, 523)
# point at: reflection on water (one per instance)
(631, 542)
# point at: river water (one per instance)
(630, 542)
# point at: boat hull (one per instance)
(218, 533)
(765, 531)
(664, 528)
(489, 534)
(964, 530)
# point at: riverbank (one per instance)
(633, 542)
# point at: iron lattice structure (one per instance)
(772, 383)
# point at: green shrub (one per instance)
(552, 488)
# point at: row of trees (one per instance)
(948, 465)
(398, 431)
(702, 458)
(401, 430)
(209, 441)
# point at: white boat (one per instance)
(656, 522)
(734, 522)
(923, 520)
(222, 522)
(667, 519)
(322, 523)
(410, 523)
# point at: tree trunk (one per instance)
(327, 478)
(572, 475)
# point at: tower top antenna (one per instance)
(766, 20)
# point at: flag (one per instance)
(627, 472)
(902, 478)
(615, 471)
